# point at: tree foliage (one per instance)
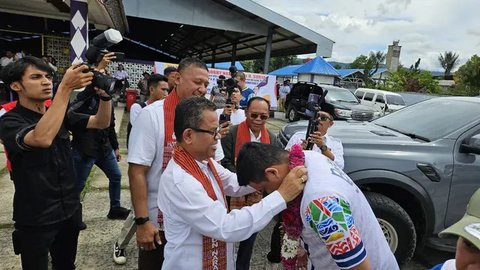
(369, 64)
(448, 61)
(469, 73)
(412, 80)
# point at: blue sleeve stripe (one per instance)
(347, 255)
(353, 260)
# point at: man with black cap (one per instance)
(467, 255)
(327, 145)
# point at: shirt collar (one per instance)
(253, 138)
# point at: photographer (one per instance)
(327, 145)
(232, 112)
(218, 95)
(99, 147)
(47, 210)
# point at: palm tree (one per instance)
(448, 60)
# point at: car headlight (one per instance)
(343, 113)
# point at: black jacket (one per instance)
(228, 146)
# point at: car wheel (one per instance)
(396, 224)
(292, 114)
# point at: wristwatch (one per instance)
(141, 220)
(323, 148)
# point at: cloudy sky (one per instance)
(425, 28)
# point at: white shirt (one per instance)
(146, 146)
(120, 74)
(2, 112)
(284, 90)
(134, 111)
(4, 61)
(334, 144)
(335, 214)
(236, 117)
(189, 213)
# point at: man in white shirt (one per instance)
(157, 90)
(233, 110)
(339, 226)
(198, 227)
(150, 148)
(323, 143)
(7, 59)
(283, 91)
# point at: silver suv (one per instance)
(417, 167)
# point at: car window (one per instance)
(359, 94)
(368, 96)
(395, 100)
(380, 99)
(340, 95)
(432, 119)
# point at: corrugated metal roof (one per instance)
(318, 66)
(227, 65)
(345, 72)
(285, 71)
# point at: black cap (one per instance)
(328, 108)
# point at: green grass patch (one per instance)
(6, 226)
(88, 184)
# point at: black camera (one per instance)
(315, 100)
(101, 80)
(227, 85)
(95, 54)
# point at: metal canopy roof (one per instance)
(318, 66)
(169, 30)
(102, 13)
(214, 29)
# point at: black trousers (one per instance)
(33, 243)
(152, 259)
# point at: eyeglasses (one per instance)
(324, 118)
(256, 115)
(214, 133)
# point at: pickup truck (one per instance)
(417, 166)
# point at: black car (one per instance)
(347, 106)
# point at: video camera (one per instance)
(95, 54)
(227, 86)
(314, 103)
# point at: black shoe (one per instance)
(82, 226)
(118, 213)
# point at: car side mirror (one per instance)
(471, 146)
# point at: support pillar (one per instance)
(214, 52)
(78, 30)
(234, 54)
(268, 50)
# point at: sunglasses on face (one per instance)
(256, 115)
(214, 133)
(324, 118)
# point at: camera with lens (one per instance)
(227, 86)
(95, 54)
(315, 100)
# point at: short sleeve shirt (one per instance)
(340, 227)
(43, 177)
